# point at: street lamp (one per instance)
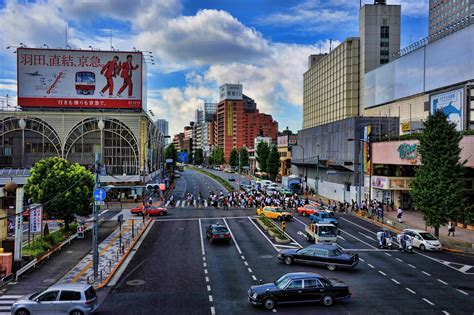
(22, 125)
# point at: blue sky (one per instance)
(199, 45)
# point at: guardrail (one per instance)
(25, 268)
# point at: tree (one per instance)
(437, 189)
(64, 189)
(198, 157)
(218, 156)
(244, 156)
(234, 158)
(171, 153)
(273, 162)
(262, 155)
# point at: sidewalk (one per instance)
(414, 219)
(111, 252)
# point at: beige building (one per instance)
(331, 85)
(444, 13)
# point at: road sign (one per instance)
(99, 194)
(80, 231)
(183, 157)
(169, 160)
(100, 203)
(120, 218)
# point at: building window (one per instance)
(8, 151)
(384, 32)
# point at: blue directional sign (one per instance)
(99, 194)
(183, 157)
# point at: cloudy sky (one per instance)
(199, 45)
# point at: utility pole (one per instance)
(95, 236)
(239, 171)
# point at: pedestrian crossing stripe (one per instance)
(6, 302)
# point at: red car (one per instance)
(308, 209)
(137, 210)
(154, 210)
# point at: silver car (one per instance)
(71, 299)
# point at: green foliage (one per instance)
(64, 189)
(171, 153)
(218, 156)
(262, 152)
(234, 158)
(244, 157)
(437, 189)
(198, 157)
(43, 244)
(273, 162)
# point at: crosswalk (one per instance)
(6, 302)
(185, 204)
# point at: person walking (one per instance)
(451, 228)
(399, 214)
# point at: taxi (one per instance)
(276, 213)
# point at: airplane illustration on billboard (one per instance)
(34, 74)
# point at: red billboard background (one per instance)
(80, 78)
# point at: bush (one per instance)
(43, 244)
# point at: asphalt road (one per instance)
(177, 271)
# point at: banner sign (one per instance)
(451, 104)
(367, 149)
(36, 218)
(407, 151)
(79, 78)
(230, 120)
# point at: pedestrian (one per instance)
(399, 214)
(150, 200)
(451, 228)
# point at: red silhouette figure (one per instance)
(110, 70)
(125, 71)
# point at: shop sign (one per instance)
(406, 126)
(379, 182)
(407, 151)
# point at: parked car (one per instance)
(308, 209)
(323, 217)
(298, 287)
(73, 299)
(217, 232)
(154, 210)
(329, 255)
(423, 240)
(275, 213)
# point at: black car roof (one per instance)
(303, 275)
(324, 246)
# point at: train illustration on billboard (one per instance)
(85, 83)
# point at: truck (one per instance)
(292, 183)
(321, 233)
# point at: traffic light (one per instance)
(149, 187)
(156, 187)
(80, 231)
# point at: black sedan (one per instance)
(298, 287)
(217, 232)
(327, 255)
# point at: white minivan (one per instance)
(423, 240)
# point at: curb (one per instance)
(445, 248)
(106, 281)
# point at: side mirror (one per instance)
(260, 281)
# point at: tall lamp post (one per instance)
(22, 125)
(95, 230)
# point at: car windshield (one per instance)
(220, 229)
(282, 282)
(427, 236)
(338, 252)
(324, 215)
(277, 209)
(36, 294)
(327, 230)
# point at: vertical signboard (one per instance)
(36, 218)
(79, 78)
(18, 224)
(230, 120)
(451, 104)
(367, 149)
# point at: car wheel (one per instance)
(288, 260)
(331, 267)
(76, 312)
(22, 311)
(280, 218)
(422, 247)
(304, 213)
(269, 303)
(162, 213)
(328, 300)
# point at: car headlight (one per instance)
(254, 295)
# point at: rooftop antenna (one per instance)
(330, 44)
(110, 29)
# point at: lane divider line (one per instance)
(445, 283)
(410, 290)
(426, 273)
(463, 292)
(382, 273)
(412, 266)
(395, 281)
(428, 301)
(371, 266)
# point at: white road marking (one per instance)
(207, 279)
(359, 239)
(204, 258)
(363, 228)
(428, 301)
(361, 259)
(388, 254)
(446, 313)
(204, 264)
(445, 283)
(410, 290)
(298, 220)
(245, 263)
(232, 234)
(426, 273)
(370, 238)
(412, 266)
(341, 237)
(205, 271)
(371, 266)
(254, 278)
(463, 292)
(210, 298)
(213, 310)
(209, 288)
(202, 239)
(250, 270)
(395, 281)
(242, 257)
(399, 259)
(263, 234)
(274, 310)
(209, 218)
(382, 273)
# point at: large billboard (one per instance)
(79, 78)
(451, 103)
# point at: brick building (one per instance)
(239, 122)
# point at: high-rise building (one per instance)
(238, 120)
(162, 125)
(379, 31)
(443, 13)
(331, 85)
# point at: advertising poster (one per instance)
(79, 78)
(367, 149)
(451, 104)
(36, 218)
